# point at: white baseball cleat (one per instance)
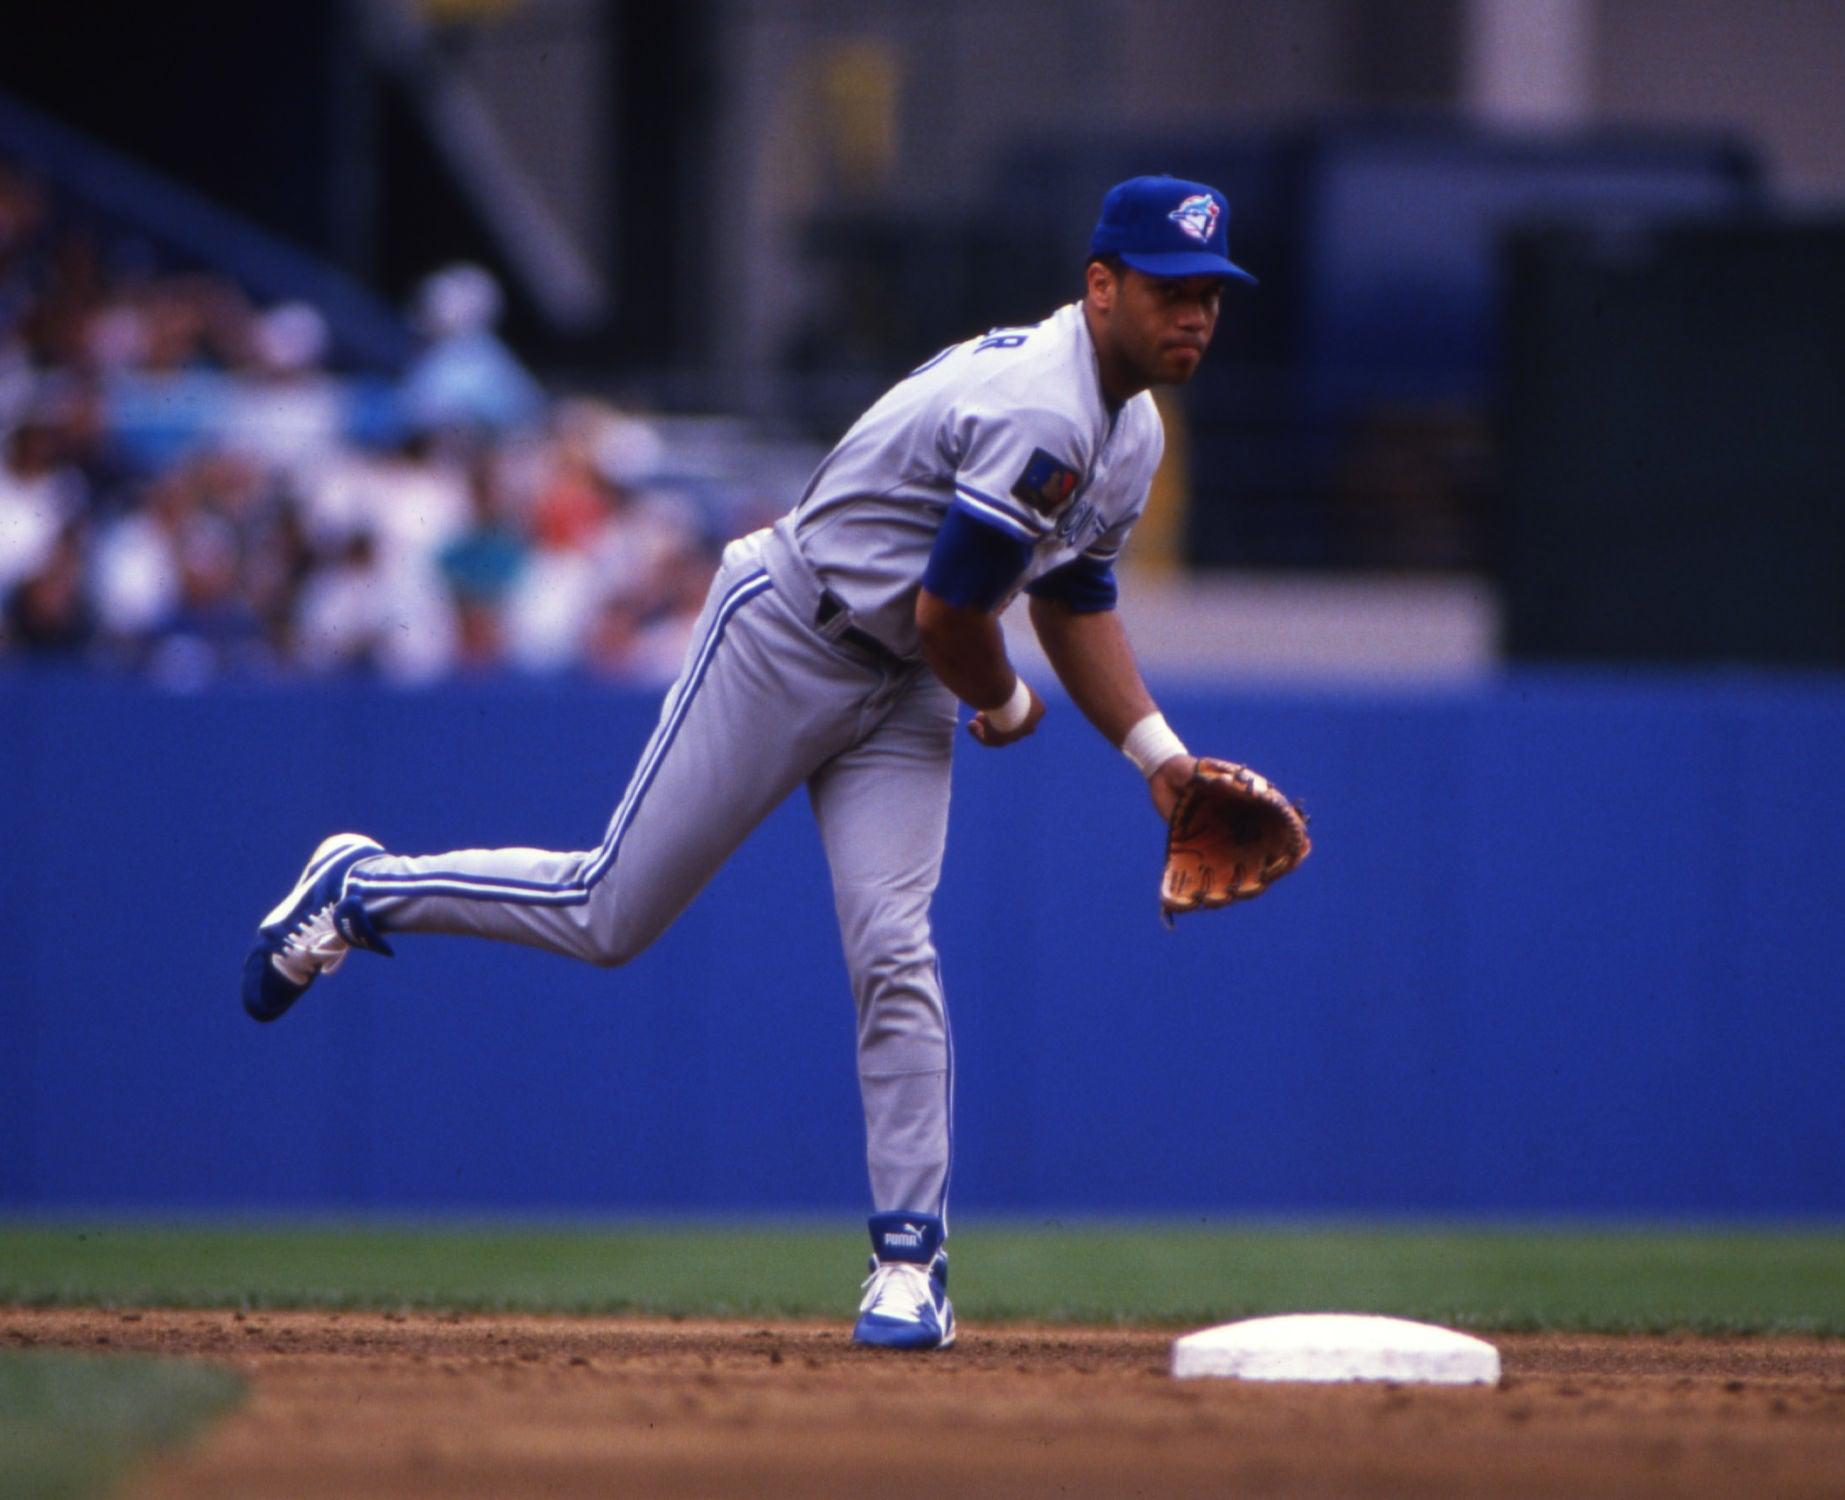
(906, 1302)
(311, 931)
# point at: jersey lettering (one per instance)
(931, 362)
(1079, 525)
(1000, 341)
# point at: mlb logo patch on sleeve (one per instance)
(1046, 483)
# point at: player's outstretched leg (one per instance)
(906, 1296)
(311, 931)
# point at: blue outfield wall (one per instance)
(1567, 944)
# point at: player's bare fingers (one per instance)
(1169, 781)
(992, 738)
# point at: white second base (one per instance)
(1337, 1346)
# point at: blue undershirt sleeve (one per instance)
(1085, 586)
(973, 565)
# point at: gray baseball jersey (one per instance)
(805, 670)
(1013, 429)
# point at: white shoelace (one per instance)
(898, 1289)
(315, 947)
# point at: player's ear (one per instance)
(1100, 281)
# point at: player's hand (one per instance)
(993, 739)
(1168, 782)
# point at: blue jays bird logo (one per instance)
(1197, 216)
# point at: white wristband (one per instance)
(1010, 714)
(1151, 743)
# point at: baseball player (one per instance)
(832, 653)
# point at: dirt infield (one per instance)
(363, 1404)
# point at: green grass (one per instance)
(1497, 1279)
(1488, 1278)
(70, 1424)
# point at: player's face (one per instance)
(1151, 330)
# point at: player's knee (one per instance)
(601, 943)
(900, 972)
(612, 946)
(611, 934)
(889, 948)
(612, 950)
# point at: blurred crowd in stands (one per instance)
(189, 493)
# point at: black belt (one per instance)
(830, 608)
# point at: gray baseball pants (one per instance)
(767, 700)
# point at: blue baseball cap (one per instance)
(1166, 226)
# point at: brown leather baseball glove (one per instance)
(1232, 836)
